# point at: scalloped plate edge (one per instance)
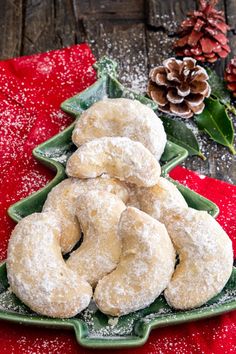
(141, 329)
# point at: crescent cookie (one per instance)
(145, 268)
(37, 273)
(121, 117)
(119, 157)
(158, 201)
(62, 199)
(205, 259)
(98, 213)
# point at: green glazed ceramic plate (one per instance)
(92, 328)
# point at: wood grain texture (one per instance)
(232, 43)
(159, 47)
(66, 28)
(107, 9)
(48, 25)
(167, 15)
(230, 6)
(137, 33)
(114, 39)
(11, 28)
(231, 20)
(219, 66)
(39, 30)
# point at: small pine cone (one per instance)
(203, 34)
(230, 76)
(179, 87)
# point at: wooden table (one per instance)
(137, 33)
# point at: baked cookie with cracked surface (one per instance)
(98, 213)
(205, 259)
(37, 272)
(158, 201)
(118, 157)
(145, 268)
(121, 117)
(63, 200)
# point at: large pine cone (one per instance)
(179, 87)
(230, 76)
(203, 34)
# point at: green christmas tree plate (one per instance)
(92, 328)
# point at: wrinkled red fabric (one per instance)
(31, 90)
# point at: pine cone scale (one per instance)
(198, 109)
(194, 99)
(198, 25)
(201, 87)
(173, 79)
(158, 95)
(182, 89)
(199, 74)
(173, 97)
(194, 38)
(161, 79)
(181, 110)
(196, 51)
(223, 54)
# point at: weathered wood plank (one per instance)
(39, 34)
(66, 28)
(168, 14)
(232, 43)
(48, 25)
(231, 19)
(159, 47)
(231, 14)
(219, 66)
(107, 9)
(11, 28)
(126, 44)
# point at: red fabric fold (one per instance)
(31, 90)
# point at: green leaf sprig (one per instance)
(219, 90)
(180, 134)
(215, 121)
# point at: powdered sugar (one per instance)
(121, 117)
(63, 200)
(158, 201)
(146, 265)
(37, 273)
(120, 157)
(98, 213)
(206, 258)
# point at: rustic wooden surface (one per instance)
(137, 33)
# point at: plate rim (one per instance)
(135, 340)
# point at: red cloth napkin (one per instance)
(31, 90)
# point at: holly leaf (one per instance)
(219, 90)
(178, 132)
(215, 121)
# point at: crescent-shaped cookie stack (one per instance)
(134, 223)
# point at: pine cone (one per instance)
(230, 76)
(179, 87)
(203, 34)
